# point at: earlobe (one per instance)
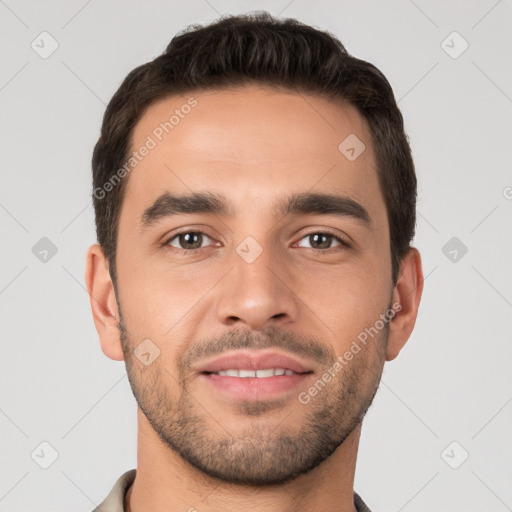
(407, 293)
(103, 302)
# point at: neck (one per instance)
(165, 482)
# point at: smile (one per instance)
(263, 373)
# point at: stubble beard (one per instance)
(264, 451)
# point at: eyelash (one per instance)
(194, 251)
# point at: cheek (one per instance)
(160, 300)
(348, 301)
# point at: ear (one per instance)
(407, 293)
(103, 302)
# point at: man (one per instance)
(255, 199)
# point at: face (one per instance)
(241, 270)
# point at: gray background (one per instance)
(452, 381)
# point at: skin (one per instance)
(198, 447)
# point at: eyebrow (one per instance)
(168, 205)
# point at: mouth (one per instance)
(254, 375)
(264, 373)
(261, 362)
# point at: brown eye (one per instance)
(322, 241)
(188, 240)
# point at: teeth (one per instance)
(267, 372)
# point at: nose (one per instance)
(257, 293)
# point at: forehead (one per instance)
(252, 141)
(220, 122)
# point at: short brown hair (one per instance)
(259, 48)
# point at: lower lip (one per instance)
(254, 388)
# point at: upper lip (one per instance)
(247, 360)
